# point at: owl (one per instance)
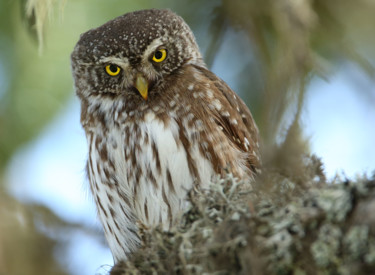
(158, 123)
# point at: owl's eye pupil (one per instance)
(113, 68)
(158, 55)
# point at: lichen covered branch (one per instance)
(277, 225)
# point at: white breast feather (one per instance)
(172, 157)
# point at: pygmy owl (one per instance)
(157, 122)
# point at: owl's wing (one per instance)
(235, 119)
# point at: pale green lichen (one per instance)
(238, 228)
(356, 241)
(370, 255)
(335, 202)
(326, 248)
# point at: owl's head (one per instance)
(133, 54)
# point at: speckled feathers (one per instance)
(130, 34)
(146, 153)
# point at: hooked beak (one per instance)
(141, 85)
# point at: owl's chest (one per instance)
(147, 167)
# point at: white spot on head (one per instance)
(172, 103)
(191, 87)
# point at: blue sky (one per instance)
(339, 118)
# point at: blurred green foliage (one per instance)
(291, 42)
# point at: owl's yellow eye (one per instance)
(159, 55)
(112, 69)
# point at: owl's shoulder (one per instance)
(232, 115)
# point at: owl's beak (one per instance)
(141, 85)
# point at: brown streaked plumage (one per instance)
(157, 121)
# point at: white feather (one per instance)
(172, 157)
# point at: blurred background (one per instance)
(305, 69)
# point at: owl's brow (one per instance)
(152, 47)
(80, 63)
(120, 61)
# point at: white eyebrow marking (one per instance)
(151, 48)
(122, 62)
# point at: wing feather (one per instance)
(235, 119)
